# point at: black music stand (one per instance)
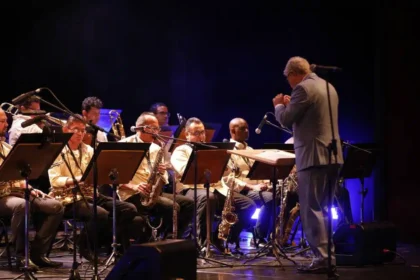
(206, 165)
(280, 163)
(358, 164)
(117, 163)
(24, 162)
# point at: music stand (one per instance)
(358, 164)
(206, 165)
(280, 163)
(23, 162)
(117, 163)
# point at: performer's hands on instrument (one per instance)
(162, 168)
(144, 189)
(260, 187)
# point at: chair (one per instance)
(4, 222)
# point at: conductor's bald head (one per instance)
(238, 129)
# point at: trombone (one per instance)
(9, 108)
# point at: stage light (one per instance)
(256, 213)
(334, 213)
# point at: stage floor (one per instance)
(261, 268)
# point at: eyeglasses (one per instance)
(77, 130)
(198, 133)
(153, 128)
(164, 113)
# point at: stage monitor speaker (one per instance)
(162, 260)
(365, 244)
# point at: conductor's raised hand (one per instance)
(286, 100)
(278, 99)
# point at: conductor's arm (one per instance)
(287, 114)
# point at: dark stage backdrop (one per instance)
(214, 62)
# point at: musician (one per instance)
(160, 110)
(256, 190)
(307, 110)
(244, 206)
(12, 204)
(91, 111)
(148, 125)
(30, 103)
(62, 182)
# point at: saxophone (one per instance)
(283, 225)
(155, 180)
(229, 218)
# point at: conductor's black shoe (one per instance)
(45, 262)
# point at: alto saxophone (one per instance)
(229, 218)
(155, 180)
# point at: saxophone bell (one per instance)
(117, 124)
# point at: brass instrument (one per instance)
(9, 188)
(117, 126)
(54, 120)
(9, 108)
(229, 218)
(65, 195)
(155, 180)
(283, 225)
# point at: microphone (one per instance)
(135, 128)
(315, 67)
(32, 121)
(262, 123)
(23, 96)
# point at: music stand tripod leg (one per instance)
(115, 255)
(206, 258)
(27, 271)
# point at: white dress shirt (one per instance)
(179, 160)
(16, 129)
(143, 172)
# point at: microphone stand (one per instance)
(194, 230)
(332, 149)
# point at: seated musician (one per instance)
(12, 204)
(62, 183)
(30, 103)
(160, 110)
(139, 187)
(91, 111)
(244, 206)
(256, 190)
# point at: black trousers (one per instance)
(164, 209)
(125, 213)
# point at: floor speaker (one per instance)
(365, 244)
(160, 260)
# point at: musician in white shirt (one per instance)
(256, 190)
(139, 187)
(244, 206)
(91, 109)
(30, 103)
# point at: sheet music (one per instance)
(274, 155)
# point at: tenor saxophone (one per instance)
(229, 218)
(155, 180)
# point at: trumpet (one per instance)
(58, 121)
(9, 108)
